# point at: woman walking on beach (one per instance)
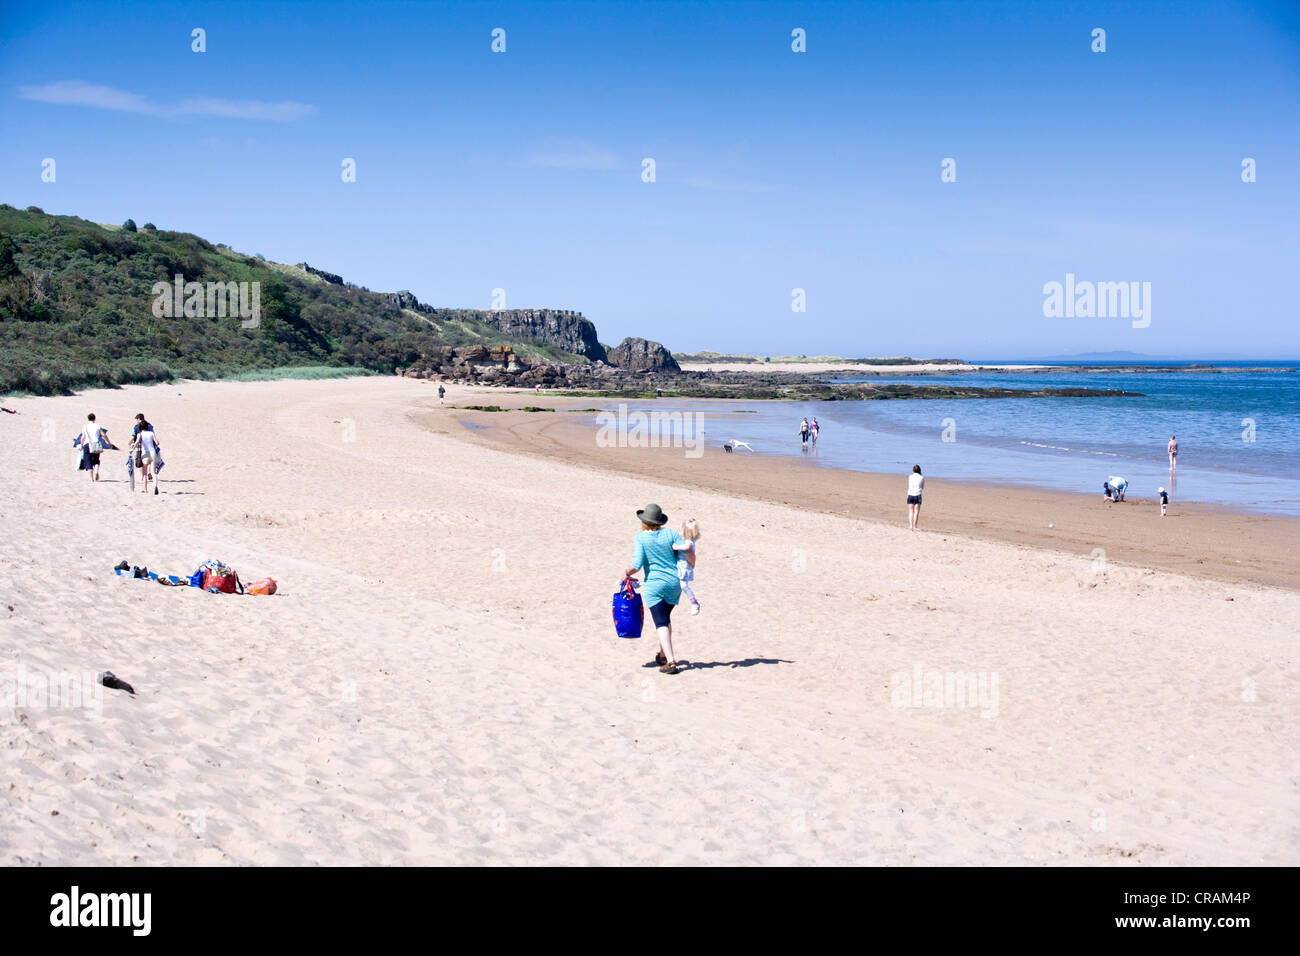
(804, 431)
(915, 485)
(144, 445)
(1173, 454)
(653, 552)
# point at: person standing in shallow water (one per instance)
(653, 553)
(1173, 454)
(915, 485)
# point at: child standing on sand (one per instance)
(685, 550)
(1164, 502)
(915, 487)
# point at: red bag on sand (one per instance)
(225, 583)
(264, 586)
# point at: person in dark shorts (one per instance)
(93, 441)
(653, 553)
(915, 485)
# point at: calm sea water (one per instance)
(1237, 433)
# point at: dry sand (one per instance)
(438, 680)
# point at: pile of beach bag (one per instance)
(214, 577)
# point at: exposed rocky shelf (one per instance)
(499, 365)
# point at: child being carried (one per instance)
(686, 553)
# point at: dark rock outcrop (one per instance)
(565, 329)
(639, 355)
(329, 277)
(407, 300)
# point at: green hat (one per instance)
(652, 514)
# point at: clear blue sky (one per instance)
(776, 170)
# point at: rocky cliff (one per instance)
(565, 329)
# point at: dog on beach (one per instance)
(733, 445)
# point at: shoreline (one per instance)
(840, 369)
(1207, 541)
(437, 680)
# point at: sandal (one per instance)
(660, 659)
(670, 668)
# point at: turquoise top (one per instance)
(653, 553)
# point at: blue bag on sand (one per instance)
(629, 612)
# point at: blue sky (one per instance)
(775, 170)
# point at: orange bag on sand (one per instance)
(264, 586)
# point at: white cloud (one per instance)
(282, 112)
(77, 93)
(572, 156)
(727, 185)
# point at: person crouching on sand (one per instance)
(686, 555)
(915, 485)
(653, 552)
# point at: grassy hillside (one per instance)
(76, 311)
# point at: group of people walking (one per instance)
(143, 451)
(808, 432)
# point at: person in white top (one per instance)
(915, 485)
(93, 441)
(145, 446)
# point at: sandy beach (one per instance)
(438, 680)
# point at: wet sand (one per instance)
(1196, 539)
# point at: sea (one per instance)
(1238, 432)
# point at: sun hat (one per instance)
(1160, 490)
(652, 514)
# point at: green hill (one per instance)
(77, 311)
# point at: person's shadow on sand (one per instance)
(701, 665)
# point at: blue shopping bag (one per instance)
(629, 612)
